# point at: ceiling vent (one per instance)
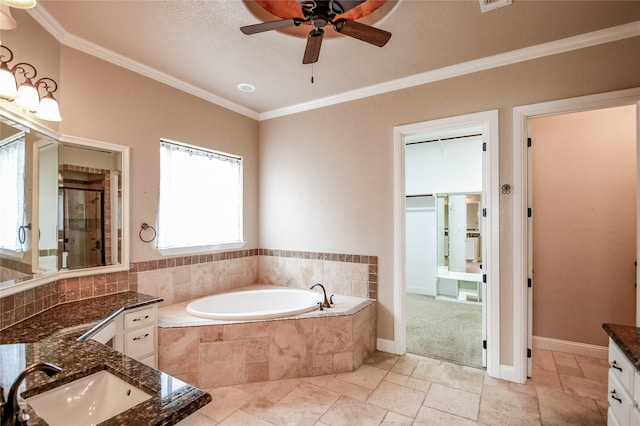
(489, 5)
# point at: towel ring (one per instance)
(22, 233)
(144, 227)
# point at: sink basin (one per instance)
(88, 401)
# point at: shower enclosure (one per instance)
(82, 218)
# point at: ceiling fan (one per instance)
(319, 13)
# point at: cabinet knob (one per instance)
(141, 318)
(141, 337)
(616, 366)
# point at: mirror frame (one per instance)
(51, 276)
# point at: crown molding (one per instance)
(581, 41)
(63, 37)
(520, 55)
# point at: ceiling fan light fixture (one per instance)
(246, 87)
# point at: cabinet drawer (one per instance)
(621, 367)
(620, 402)
(141, 342)
(140, 318)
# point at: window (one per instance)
(200, 197)
(12, 213)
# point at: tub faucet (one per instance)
(326, 303)
(11, 413)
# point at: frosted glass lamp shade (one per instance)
(8, 88)
(49, 109)
(19, 4)
(28, 97)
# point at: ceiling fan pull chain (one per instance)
(312, 81)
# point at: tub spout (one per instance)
(326, 303)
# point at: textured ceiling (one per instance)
(199, 42)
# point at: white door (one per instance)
(488, 122)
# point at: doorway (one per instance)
(583, 246)
(82, 231)
(444, 245)
(523, 232)
(478, 289)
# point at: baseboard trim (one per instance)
(389, 346)
(575, 348)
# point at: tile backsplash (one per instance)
(178, 279)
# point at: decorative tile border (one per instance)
(22, 305)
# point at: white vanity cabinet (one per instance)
(623, 389)
(134, 333)
(139, 337)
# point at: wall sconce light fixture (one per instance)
(27, 94)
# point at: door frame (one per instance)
(521, 237)
(490, 170)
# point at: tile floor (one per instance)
(412, 390)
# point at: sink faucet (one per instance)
(324, 304)
(11, 412)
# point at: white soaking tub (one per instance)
(255, 304)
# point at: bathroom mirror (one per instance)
(459, 232)
(74, 201)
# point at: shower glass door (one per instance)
(83, 217)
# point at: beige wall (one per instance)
(584, 223)
(104, 102)
(326, 176)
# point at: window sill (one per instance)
(12, 253)
(201, 249)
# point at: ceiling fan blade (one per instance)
(271, 25)
(362, 32)
(312, 51)
(342, 6)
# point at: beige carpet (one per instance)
(444, 330)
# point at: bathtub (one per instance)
(255, 304)
(211, 353)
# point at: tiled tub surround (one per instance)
(210, 353)
(181, 279)
(184, 278)
(51, 337)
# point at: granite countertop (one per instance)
(74, 318)
(51, 337)
(628, 340)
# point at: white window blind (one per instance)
(200, 202)
(12, 213)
